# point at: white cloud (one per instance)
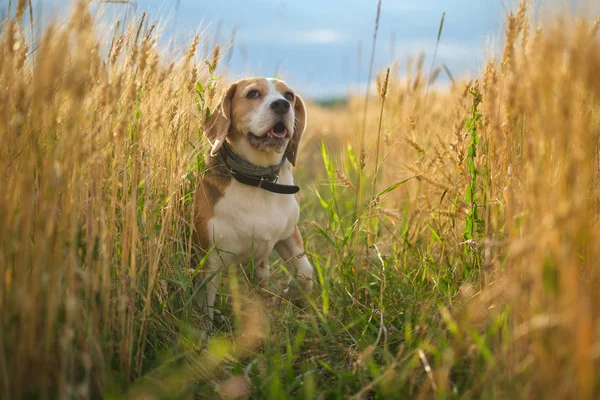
(321, 36)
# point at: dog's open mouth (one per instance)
(273, 139)
(278, 130)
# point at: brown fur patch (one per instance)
(242, 109)
(282, 88)
(299, 125)
(297, 237)
(210, 189)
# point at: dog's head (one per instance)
(260, 118)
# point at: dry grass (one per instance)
(477, 278)
(94, 149)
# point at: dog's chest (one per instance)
(248, 220)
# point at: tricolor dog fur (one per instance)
(245, 202)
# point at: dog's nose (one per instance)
(280, 106)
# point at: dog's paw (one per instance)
(218, 323)
(298, 288)
(219, 317)
(297, 291)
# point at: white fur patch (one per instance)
(249, 221)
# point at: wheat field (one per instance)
(455, 235)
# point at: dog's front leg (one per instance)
(206, 296)
(212, 287)
(207, 293)
(262, 270)
(292, 250)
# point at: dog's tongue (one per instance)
(278, 134)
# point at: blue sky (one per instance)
(314, 44)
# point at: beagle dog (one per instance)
(245, 202)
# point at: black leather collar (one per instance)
(252, 175)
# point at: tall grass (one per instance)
(470, 271)
(94, 147)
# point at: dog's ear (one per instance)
(217, 126)
(299, 125)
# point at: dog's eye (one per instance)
(289, 96)
(253, 94)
